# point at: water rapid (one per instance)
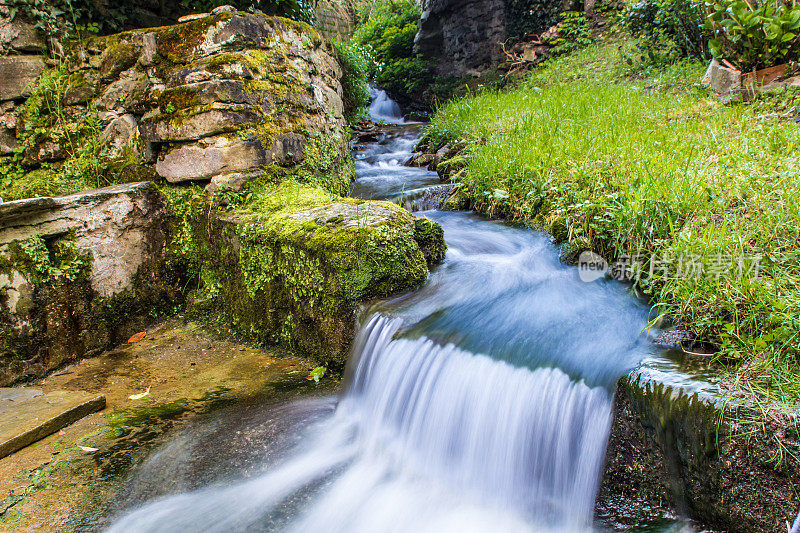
(384, 109)
(479, 402)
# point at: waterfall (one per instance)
(479, 402)
(425, 438)
(383, 108)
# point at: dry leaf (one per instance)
(140, 395)
(88, 449)
(136, 338)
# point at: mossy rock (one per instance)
(295, 264)
(446, 169)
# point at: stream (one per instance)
(481, 401)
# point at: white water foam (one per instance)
(426, 438)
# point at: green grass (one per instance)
(632, 160)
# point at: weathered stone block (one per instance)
(79, 273)
(212, 157)
(18, 74)
(295, 271)
(722, 80)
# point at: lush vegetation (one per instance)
(667, 28)
(705, 198)
(750, 35)
(386, 38)
(357, 62)
(69, 17)
(754, 36)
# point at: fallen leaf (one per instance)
(140, 395)
(136, 338)
(316, 374)
(87, 449)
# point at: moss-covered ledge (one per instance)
(675, 451)
(292, 267)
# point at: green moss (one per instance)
(41, 262)
(430, 237)
(327, 163)
(180, 97)
(294, 277)
(174, 43)
(117, 57)
(301, 27)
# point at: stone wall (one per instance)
(336, 19)
(464, 35)
(22, 60)
(224, 98)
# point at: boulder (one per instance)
(421, 160)
(215, 156)
(18, 74)
(720, 79)
(295, 270)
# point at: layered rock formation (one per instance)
(79, 274)
(224, 98)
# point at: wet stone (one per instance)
(28, 415)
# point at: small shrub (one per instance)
(667, 27)
(574, 33)
(357, 62)
(754, 36)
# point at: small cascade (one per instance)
(425, 438)
(479, 402)
(383, 108)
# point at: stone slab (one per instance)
(18, 74)
(28, 415)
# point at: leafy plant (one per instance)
(357, 62)
(754, 36)
(573, 33)
(667, 27)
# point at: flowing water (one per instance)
(479, 402)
